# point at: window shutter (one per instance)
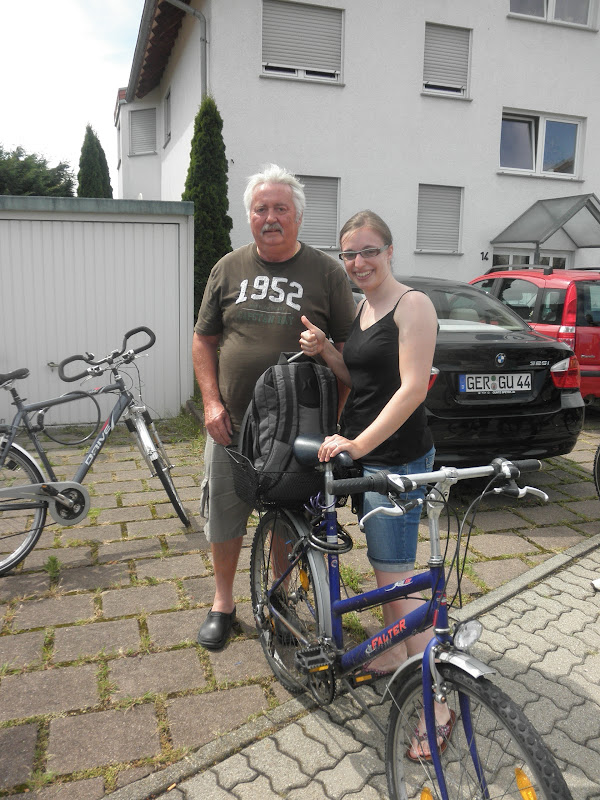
(302, 36)
(320, 220)
(438, 218)
(142, 131)
(446, 62)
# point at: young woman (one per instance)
(386, 362)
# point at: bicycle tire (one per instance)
(19, 529)
(597, 471)
(164, 475)
(298, 599)
(504, 738)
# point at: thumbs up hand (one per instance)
(312, 340)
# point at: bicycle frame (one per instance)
(124, 400)
(52, 492)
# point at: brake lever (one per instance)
(512, 490)
(397, 510)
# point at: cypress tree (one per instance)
(93, 175)
(206, 187)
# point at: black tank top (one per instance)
(372, 360)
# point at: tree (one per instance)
(206, 187)
(24, 173)
(93, 175)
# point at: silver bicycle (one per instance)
(28, 492)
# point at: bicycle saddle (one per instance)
(306, 450)
(13, 376)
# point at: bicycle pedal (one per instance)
(360, 678)
(311, 660)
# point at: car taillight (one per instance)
(568, 330)
(565, 374)
(432, 377)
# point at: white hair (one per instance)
(271, 173)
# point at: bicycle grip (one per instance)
(132, 332)
(528, 465)
(72, 378)
(378, 482)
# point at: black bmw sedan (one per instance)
(498, 388)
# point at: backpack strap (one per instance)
(329, 399)
(287, 424)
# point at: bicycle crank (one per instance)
(70, 502)
(314, 662)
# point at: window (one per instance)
(574, 12)
(539, 144)
(320, 220)
(517, 259)
(301, 41)
(446, 62)
(520, 295)
(551, 306)
(167, 117)
(142, 131)
(438, 218)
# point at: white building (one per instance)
(449, 119)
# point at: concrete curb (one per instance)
(535, 575)
(218, 750)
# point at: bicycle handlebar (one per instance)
(110, 359)
(384, 482)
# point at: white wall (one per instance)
(377, 131)
(77, 274)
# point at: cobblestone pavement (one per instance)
(104, 691)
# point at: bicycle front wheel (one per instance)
(597, 471)
(21, 520)
(297, 598)
(502, 756)
(164, 475)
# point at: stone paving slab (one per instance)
(105, 737)
(113, 696)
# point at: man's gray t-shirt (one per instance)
(256, 307)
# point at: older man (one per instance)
(250, 313)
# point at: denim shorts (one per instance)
(392, 541)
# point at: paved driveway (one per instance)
(101, 682)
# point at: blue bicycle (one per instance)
(485, 747)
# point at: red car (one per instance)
(561, 303)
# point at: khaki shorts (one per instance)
(227, 515)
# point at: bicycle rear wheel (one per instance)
(297, 598)
(21, 520)
(511, 755)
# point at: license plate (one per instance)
(495, 384)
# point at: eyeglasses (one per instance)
(368, 252)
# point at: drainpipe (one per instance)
(203, 60)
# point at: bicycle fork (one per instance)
(140, 424)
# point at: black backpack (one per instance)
(288, 399)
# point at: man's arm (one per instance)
(216, 418)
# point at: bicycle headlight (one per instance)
(467, 633)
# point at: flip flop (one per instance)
(443, 732)
(377, 673)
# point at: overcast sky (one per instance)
(62, 63)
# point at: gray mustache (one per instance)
(276, 227)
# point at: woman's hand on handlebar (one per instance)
(332, 445)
